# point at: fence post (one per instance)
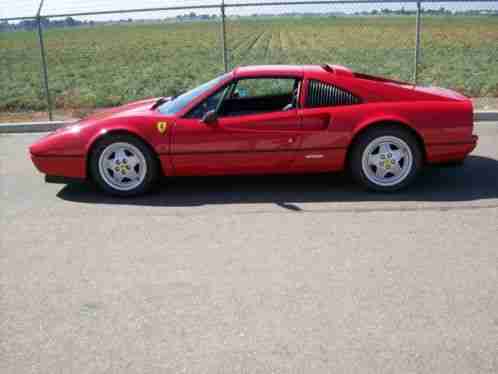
(223, 36)
(417, 46)
(44, 68)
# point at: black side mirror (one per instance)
(210, 118)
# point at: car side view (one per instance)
(267, 120)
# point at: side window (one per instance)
(210, 103)
(260, 95)
(323, 94)
(261, 87)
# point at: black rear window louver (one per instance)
(323, 94)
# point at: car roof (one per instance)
(268, 70)
(288, 70)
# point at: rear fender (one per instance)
(379, 120)
(387, 119)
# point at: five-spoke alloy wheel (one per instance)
(123, 165)
(386, 158)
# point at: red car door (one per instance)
(246, 144)
(324, 138)
(328, 114)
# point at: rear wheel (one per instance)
(386, 159)
(122, 165)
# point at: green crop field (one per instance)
(111, 64)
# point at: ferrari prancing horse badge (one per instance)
(162, 127)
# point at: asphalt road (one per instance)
(294, 274)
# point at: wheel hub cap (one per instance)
(122, 166)
(387, 161)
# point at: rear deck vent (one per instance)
(323, 94)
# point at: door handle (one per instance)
(291, 140)
(316, 122)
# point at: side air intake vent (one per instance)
(323, 94)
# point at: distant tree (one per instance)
(70, 22)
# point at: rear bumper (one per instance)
(450, 152)
(61, 166)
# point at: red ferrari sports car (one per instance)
(267, 119)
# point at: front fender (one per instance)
(144, 129)
(96, 134)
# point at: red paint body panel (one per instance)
(299, 140)
(261, 143)
(233, 163)
(450, 152)
(323, 160)
(71, 167)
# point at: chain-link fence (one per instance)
(81, 58)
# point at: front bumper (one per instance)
(437, 153)
(61, 166)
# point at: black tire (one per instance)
(452, 164)
(361, 144)
(152, 166)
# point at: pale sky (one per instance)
(21, 8)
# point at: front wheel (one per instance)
(386, 159)
(122, 165)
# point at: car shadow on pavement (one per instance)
(476, 179)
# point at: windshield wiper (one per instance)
(160, 101)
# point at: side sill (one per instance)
(62, 180)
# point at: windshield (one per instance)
(180, 102)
